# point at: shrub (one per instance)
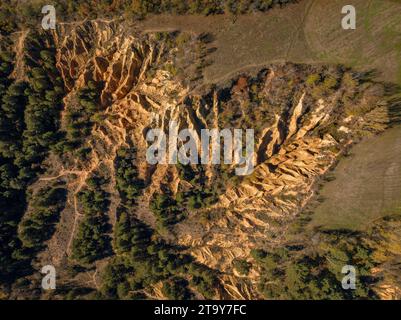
(242, 266)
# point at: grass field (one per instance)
(306, 32)
(367, 185)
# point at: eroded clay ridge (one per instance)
(303, 124)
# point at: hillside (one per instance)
(78, 193)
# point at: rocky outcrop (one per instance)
(292, 151)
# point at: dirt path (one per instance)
(299, 29)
